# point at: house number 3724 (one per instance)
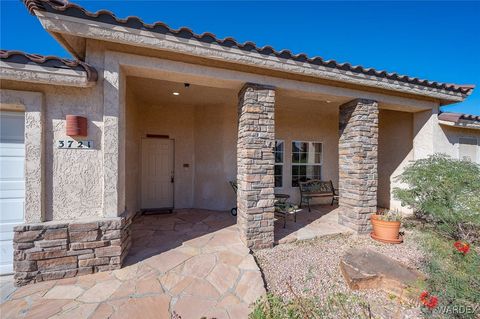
(74, 144)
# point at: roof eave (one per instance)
(461, 124)
(45, 75)
(63, 24)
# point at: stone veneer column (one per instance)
(358, 156)
(255, 165)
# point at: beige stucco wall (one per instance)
(73, 178)
(395, 150)
(205, 140)
(178, 123)
(446, 140)
(215, 156)
(132, 154)
(73, 188)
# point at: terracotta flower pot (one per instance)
(385, 231)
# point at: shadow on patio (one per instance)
(321, 221)
(155, 234)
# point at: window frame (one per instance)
(282, 164)
(305, 164)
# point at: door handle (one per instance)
(172, 179)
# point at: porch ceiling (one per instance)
(202, 91)
(153, 91)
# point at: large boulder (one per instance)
(367, 269)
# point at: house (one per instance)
(459, 136)
(148, 117)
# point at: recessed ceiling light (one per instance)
(176, 93)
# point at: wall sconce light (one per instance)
(76, 125)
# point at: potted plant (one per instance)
(386, 226)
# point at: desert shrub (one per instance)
(336, 306)
(445, 192)
(453, 277)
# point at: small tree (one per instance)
(444, 191)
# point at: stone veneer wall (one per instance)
(255, 165)
(55, 250)
(358, 157)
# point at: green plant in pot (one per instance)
(386, 226)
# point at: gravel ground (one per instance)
(312, 269)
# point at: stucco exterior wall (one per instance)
(178, 123)
(73, 188)
(310, 121)
(425, 130)
(395, 150)
(73, 178)
(132, 154)
(215, 156)
(448, 136)
(204, 139)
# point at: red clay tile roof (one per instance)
(457, 117)
(105, 16)
(48, 61)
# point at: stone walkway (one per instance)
(191, 263)
(321, 221)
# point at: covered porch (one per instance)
(205, 129)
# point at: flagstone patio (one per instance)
(191, 263)
(321, 221)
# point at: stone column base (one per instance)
(355, 220)
(63, 249)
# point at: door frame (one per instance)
(156, 137)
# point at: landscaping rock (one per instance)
(364, 268)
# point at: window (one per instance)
(306, 161)
(279, 152)
(467, 149)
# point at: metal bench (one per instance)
(316, 188)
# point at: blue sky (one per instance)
(434, 40)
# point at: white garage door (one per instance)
(12, 183)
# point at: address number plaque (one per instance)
(72, 144)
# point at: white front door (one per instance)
(157, 173)
(12, 183)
